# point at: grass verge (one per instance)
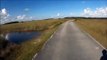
(96, 28)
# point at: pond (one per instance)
(19, 37)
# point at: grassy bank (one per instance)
(28, 49)
(96, 28)
(39, 25)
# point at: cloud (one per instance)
(30, 17)
(26, 9)
(98, 12)
(24, 17)
(58, 14)
(21, 17)
(4, 16)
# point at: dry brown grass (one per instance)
(95, 27)
(30, 26)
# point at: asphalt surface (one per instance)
(70, 43)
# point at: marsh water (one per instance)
(19, 37)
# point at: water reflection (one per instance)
(18, 37)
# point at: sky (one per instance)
(19, 10)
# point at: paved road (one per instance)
(70, 43)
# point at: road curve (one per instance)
(70, 43)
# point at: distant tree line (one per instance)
(85, 17)
(13, 22)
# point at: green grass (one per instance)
(95, 27)
(28, 49)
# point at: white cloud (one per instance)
(4, 15)
(24, 17)
(58, 14)
(30, 17)
(98, 12)
(3, 11)
(26, 9)
(21, 17)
